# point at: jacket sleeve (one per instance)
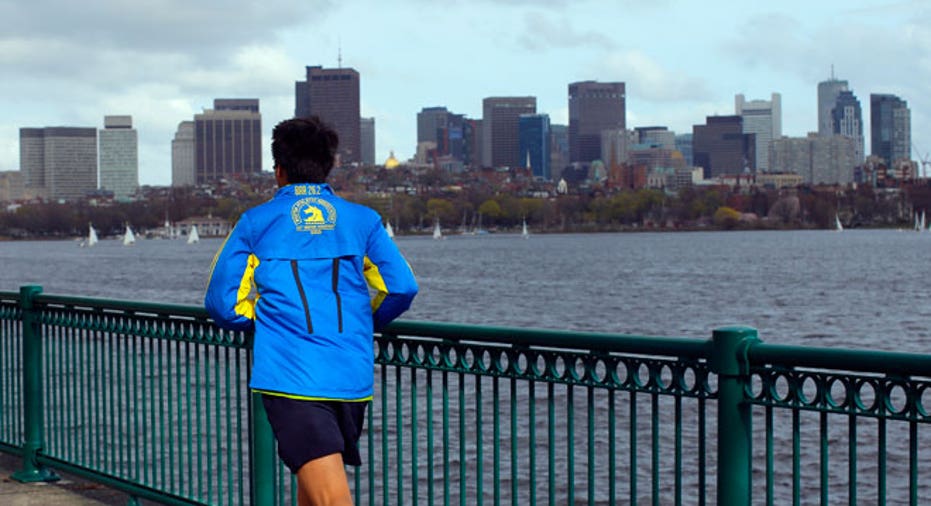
(388, 273)
(231, 292)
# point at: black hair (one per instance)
(305, 149)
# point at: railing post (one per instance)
(33, 403)
(735, 423)
(263, 458)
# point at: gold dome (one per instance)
(391, 162)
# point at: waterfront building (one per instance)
(684, 146)
(593, 107)
(656, 136)
(333, 95)
(367, 141)
(890, 128)
(763, 118)
(429, 121)
(615, 145)
(720, 146)
(535, 144)
(118, 148)
(182, 155)
(559, 149)
(817, 159)
(501, 129)
(11, 185)
(828, 91)
(228, 140)
(848, 121)
(59, 162)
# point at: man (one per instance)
(298, 269)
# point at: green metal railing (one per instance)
(152, 399)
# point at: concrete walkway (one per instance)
(69, 490)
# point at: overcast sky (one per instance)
(65, 63)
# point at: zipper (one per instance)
(339, 301)
(300, 290)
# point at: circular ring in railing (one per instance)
(809, 390)
(865, 394)
(838, 392)
(898, 397)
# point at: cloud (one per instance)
(199, 27)
(542, 32)
(649, 80)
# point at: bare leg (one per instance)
(323, 482)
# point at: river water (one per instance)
(857, 288)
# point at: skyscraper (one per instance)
(429, 121)
(367, 141)
(228, 140)
(333, 95)
(593, 107)
(501, 129)
(119, 156)
(764, 119)
(890, 128)
(848, 121)
(827, 98)
(59, 162)
(720, 146)
(182, 155)
(535, 144)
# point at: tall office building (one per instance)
(655, 136)
(890, 128)
(59, 162)
(472, 139)
(828, 92)
(228, 140)
(593, 107)
(848, 121)
(818, 159)
(431, 120)
(535, 144)
(684, 146)
(501, 129)
(720, 146)
(559, 149)
(119, 156)
(182, 155)
(367, 141)
(762, 118)
(333, 95)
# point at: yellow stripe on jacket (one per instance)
(374, 280)
(247, 295)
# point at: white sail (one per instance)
(389, 229)
(128, 237)
(921, 223)
(524, 233)
(437, 232)
(193, 236)
(91, 236)
(837, 223)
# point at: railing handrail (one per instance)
(858, 360)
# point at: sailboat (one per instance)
(837, 224)
(193, 236)
(389, 230)
(437, 232)
(526, 235)
(91, 237)
(129, 238)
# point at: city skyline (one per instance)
(680, 62)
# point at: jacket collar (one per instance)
(304, 189)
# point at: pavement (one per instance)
(69, 490)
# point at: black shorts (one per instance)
(308, 430)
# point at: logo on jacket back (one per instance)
(313, 215)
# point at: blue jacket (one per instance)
(299, 268)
